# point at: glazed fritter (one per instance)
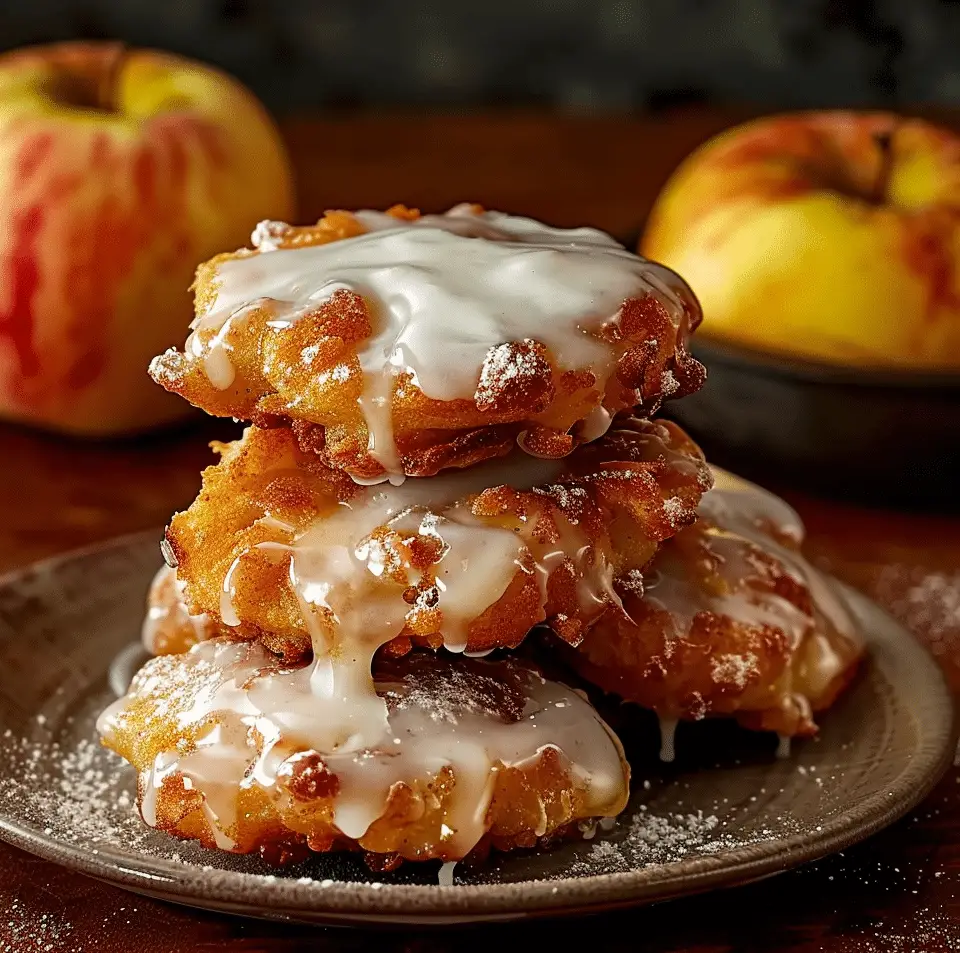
(398, 344)
(281, 548)
(729, 619)
(234, 750)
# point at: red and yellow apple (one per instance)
(120, 170)
(830, 236)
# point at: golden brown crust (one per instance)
(754, 644)
(533, 802)
(622, 496)
(168, 628)
(308, 373)
(538, 796)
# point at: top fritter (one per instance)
(399, 345)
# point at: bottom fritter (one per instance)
(239, 752)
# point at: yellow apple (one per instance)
(832, 236)
(119, 171)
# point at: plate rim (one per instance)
(353, 902)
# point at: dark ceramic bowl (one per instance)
(887, 436)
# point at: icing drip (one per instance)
(353, 576)
(254, 717)
(378, 413)
(668, 734)
(444, 293)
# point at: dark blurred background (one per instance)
(575, 55)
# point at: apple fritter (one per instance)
(281, 548)
(235, 750)
(730, 620)
(397, 344)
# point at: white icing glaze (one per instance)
(444, 292)
(668, 736)
(741, 514)
(757, 508)
(241, 689)
(671, 587)
(338, 566)
(752, 512)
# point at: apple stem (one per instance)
(114, 58)
(884, 141)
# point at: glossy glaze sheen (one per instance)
(885, 746)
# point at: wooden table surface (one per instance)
(897, 892)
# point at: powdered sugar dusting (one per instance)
(632, 581)
(570, 499)
(512, 372)
(928, 931)
(676, 511)
(22, 931)
(926, 601)
(669, 385)
(87, 803)
(652, 839)
(733, 669)
(506, 361)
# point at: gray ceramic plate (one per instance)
(725, 813)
